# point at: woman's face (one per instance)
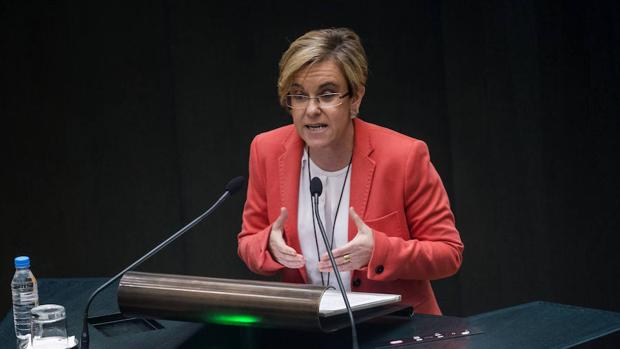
(327, 128)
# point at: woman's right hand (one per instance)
(280, 251)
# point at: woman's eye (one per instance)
(328, 97)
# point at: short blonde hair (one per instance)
(341, 45)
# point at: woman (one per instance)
(401, 231)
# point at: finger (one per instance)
(296, 261)
(343, 267)
(339, 252)
(286, 249)
(279, 248)
(281, 219)
(286, 252)
(340, 262)
(327, 267)
(294, 266)
(276, 241)
(356, 218)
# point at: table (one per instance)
(531, 325)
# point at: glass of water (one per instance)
(49, 327)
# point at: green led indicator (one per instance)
(233, 319)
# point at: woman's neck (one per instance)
(333, 158)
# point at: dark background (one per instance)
(121, 121)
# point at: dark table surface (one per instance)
(531, 325)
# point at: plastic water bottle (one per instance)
(25, 296)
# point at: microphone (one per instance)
(230, 189)
(316, 189)
(234, 185)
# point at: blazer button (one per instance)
(357, 282)
(379, 269)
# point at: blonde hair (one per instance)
(341, 45)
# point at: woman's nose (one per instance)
(313, 107)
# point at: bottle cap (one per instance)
(22, 262)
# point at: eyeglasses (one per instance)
(326, 100)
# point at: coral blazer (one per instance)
(394, 188)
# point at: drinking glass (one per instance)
(49, 327)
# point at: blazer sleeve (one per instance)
(253, 240)
(434, 248)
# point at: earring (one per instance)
(353, 114)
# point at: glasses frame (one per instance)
(341, 96)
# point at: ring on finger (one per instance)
(347, 258)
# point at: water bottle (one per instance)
(25, 296)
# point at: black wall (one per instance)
(122, 121)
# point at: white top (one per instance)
(328, 203)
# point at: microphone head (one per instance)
(316, 186)
(235, 184)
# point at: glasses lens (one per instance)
(330, 100)
(327, 100)
(297, 101)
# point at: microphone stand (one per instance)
(231, 187)
(315, 200)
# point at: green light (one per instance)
(232, 319)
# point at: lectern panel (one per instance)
(221, 301)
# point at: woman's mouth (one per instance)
(316, 127)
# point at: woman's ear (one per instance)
(356, 101)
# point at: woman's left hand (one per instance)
(356, 253)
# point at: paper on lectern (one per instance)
(333, 304)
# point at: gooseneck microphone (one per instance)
(316, 189)
(232, 186)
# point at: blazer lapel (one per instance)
(289, 167)
(362, 171)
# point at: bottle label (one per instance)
(26, 297)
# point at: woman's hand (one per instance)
(356, 253)
(280, 251)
